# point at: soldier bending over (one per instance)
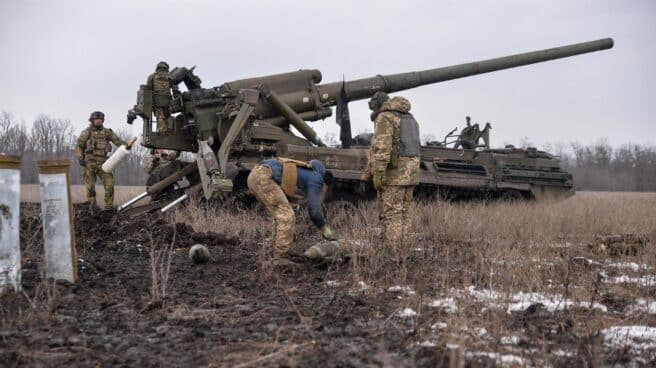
(273, 181)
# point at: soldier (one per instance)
(158, 157)
(468, 135)
(273, 181)
(394, 162)
(161, 86)
(91, 151)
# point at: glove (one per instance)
(378, 182)
(82, 163)
(327, 234)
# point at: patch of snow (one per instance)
(332, 283)
(484, 294)
(510, 340)
(427, 344)
(506, 360)
(642, 281)
(439, 326)
(449, 304)
(452, 346)
(407, 312)
(563, 353)
(363, 286)
(401, 289)
(642, 305)
(481, 331)
(600, 307)
(630, 266)
(636, 338)
(552, 303)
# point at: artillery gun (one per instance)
(232, 127)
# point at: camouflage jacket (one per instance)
(385, 159)
(161, 86)
(94, 144)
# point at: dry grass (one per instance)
(160, 268)
(30, 193)
(481, 257)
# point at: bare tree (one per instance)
(51, 137)
(131, 171)
(13, 136)
(602, 152)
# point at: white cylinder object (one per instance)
(57, 219)
(121, 153)
(10, 259)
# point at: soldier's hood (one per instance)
(396, 103)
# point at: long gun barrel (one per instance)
(365, 88)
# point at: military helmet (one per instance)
(96, 115)
(377, 100)
(162, 65)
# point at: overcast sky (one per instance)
(68, 58)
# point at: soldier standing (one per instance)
(91, 151)
(394, 162)
(275, 180)
(161, 86)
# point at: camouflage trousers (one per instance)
(397, 224)
(267, 191)
(162, 115)
(93, 171)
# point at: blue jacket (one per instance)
(309, 183)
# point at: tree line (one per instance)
(54, 139)
(598, 166)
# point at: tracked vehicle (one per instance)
(232, 127)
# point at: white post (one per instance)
(10, 259)
(57, 219)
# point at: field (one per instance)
(30, 193)
(501, 284)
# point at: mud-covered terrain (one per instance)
(233, 310)
(437, 304)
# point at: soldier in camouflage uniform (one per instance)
(161, 86)
(157, 158)
(394, 162)
(91, 151)
(275, 180)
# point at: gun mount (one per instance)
(235, 125)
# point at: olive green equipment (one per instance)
(235, 125)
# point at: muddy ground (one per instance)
(233, 310)
(236, 311)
